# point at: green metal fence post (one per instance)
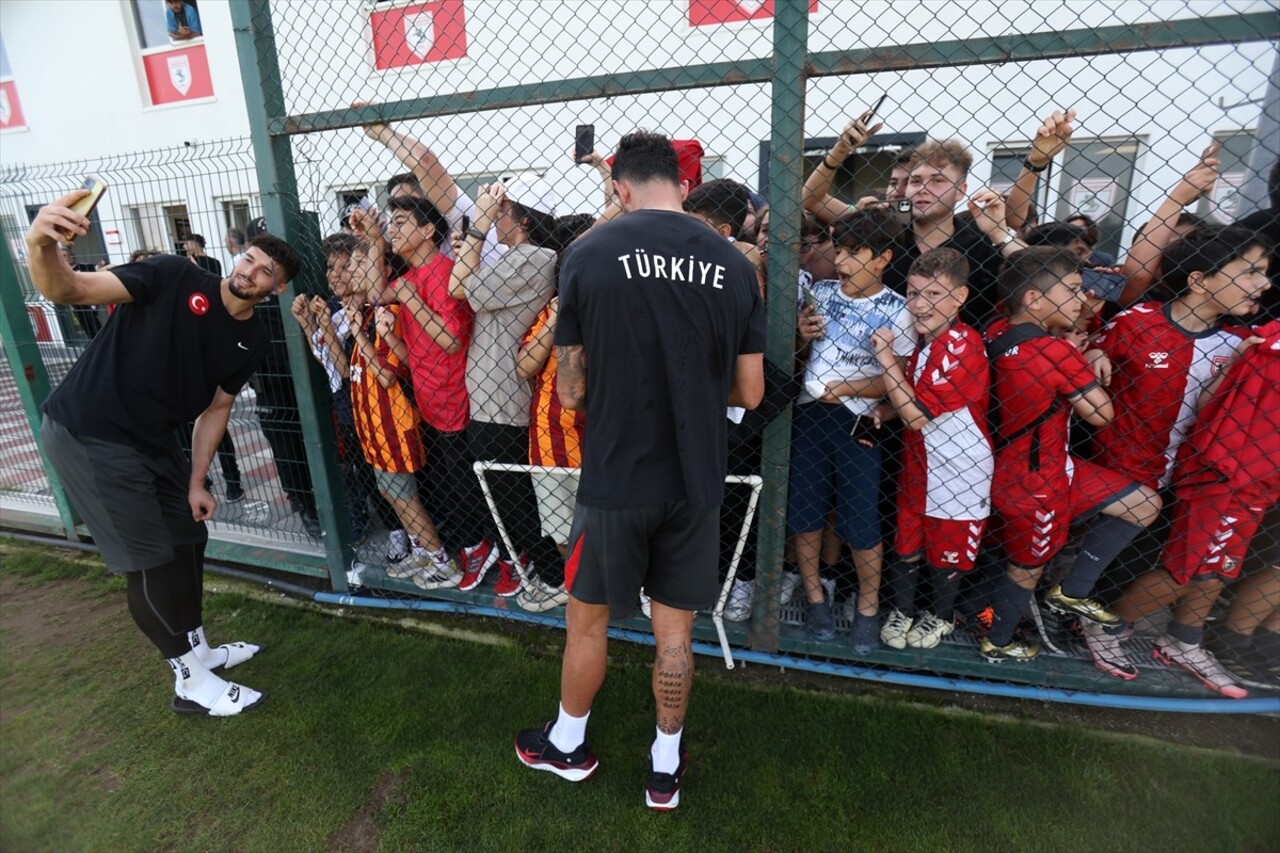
(786, 177)
(273, 160)
(29, 375)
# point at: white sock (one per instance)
(666, 751)
(569, 731)
(193, 680)
(208, 655)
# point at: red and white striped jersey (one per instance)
(948, 465)
(1158, 372)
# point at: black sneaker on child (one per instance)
(534, 749)
(663, 791)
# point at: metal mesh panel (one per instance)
(156, 201)
(23, 478)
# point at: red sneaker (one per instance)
(508, 578)
(475, 562)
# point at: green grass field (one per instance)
(376, 737)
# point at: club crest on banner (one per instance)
(180, 73)
(420, 32)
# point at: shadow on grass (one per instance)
(380, 738)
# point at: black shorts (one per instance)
(134, 503)
(668, 549)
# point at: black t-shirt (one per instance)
(209, 264)
(1267, 223)
(663, 306)
(984, 264)
(159, 362)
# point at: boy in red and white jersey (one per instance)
(1039, 489)
(944, 494)
(1227, 475)
(1156, 359)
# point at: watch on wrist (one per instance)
(1009, 236)
(475, 232)
(1031, 167)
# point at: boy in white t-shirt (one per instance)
(835, 453)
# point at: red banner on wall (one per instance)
(11, 115)
(177, 75)
(707, 13)
(417, 34)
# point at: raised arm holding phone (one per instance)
(817, 188)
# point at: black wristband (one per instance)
(1026, 164)
(475, 232)
(826, 161)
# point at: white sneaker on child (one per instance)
(741, 596)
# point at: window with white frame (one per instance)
(1223, 202)
(1096, 178)
(156, 21)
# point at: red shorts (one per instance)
(1036, 514)
(946, 543)
(1210, 535)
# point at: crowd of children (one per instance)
(1061, 443)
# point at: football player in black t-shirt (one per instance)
(668, 316)
(179, 347)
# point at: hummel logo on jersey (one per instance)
(242, 346)
(951, 557)
(1159, 361)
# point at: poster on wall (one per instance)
(1094, 197)
(419, 33)
(11, 115)
(710, 13)
(1224, 201)
(178, 74)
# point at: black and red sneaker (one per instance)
(534, 749)
(663, 791)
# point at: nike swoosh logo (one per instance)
(242, 346)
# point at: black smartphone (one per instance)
(465, 224)
(870, 114)
(1102, 283)
(810, 298)
(865, 431)
(584, 142)
(902, 209)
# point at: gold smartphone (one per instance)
(96, 187)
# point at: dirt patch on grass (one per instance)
(39, 615)
(361, 833)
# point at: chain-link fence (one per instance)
(1007, 321)
(200, 201)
